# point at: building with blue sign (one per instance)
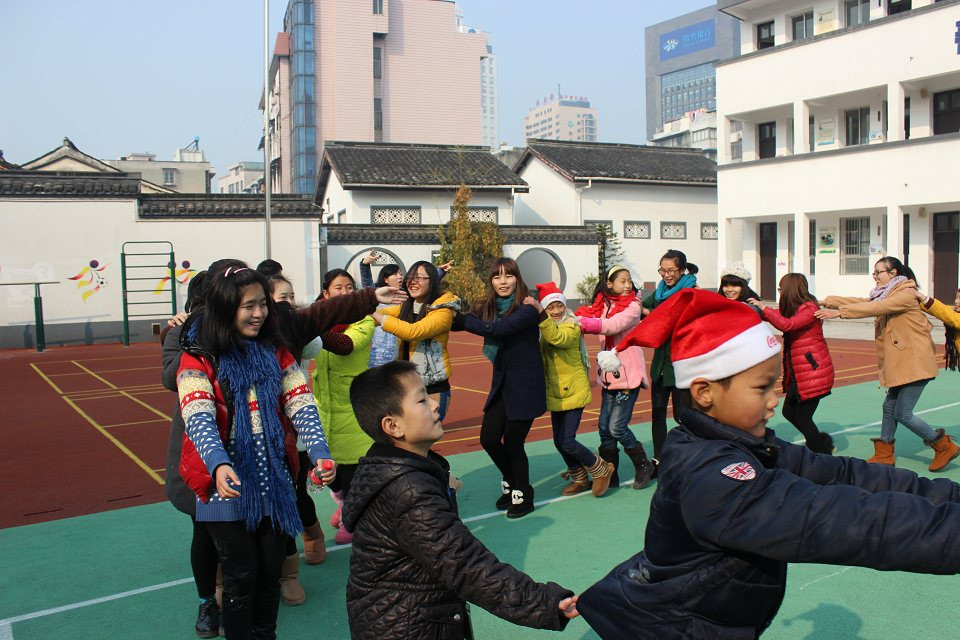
(680, 54)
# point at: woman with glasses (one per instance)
(422, 327)
(676, 274)
(905, 356)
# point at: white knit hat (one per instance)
(739, 270)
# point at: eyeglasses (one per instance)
(876, 273)
(417, 278)
(671, 272)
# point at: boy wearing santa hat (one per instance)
(734, 503)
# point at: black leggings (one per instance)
(659, 396)
(203, 560)
(251, 563)
(800, 414)
(503, 440)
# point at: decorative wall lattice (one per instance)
(709, 231)
(673, 230)
(395, 215)
(479, 214)
(634, 229)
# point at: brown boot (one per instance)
(290, 588)
(945, 448)
(612, 455)
(644, 468)
(601, 472)
(579, 482)
(314, 546)
(883, 452)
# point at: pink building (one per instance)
(376, 71)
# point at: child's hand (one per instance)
(391, 295)
(530, 300)
(327, 475)
(756, 303)
(921, 297)
(378, 318)
(568, 607)
(222, 475)
(826, 314)
(178, 319)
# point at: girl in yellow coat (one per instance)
(951, 324)
(568, 391)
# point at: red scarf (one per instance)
(600, 303)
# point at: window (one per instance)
(802, 26)
(378, 7)
(709, 231)
(377, 63)
(898, 6)
(597, 223)
(767, 140)
(812, 247)
(170, 176)
(636, 229)
(858, 126)
(906, 118)
(855, 246)
(811, 133)
(673, 230)
(479, 214)
(765, 38)
(946, 112)
(395, 215)
(857, 12)
(736, 151)
(378, 114)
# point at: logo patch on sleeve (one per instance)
(739, 471)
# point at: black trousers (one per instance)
(251, 562)
(659, 397)
(203, 560)
(503, 440)
(800, 414)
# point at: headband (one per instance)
(614, 269)
(235, 270)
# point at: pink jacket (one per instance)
(633, 368)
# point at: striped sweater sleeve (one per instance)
(300, 407)
(200, 416)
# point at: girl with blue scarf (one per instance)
(508, 319)
(241, 396)
(676, 274)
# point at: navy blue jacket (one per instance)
(518, 367)
(731, 510)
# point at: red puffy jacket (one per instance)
(806, 359)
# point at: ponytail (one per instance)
(680, 258)
(892, 263)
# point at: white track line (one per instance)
(6, 622)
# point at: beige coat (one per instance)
(905, 351)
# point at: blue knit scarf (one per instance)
(663, 292)
(492, 345)
(254, 365)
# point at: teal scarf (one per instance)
(492, 345)
(688, 281)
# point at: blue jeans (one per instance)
(443, 399)
(565, 425)
(898, 407)
(616, 409)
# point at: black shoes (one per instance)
(208, 619)
(521, 502)
(503, 502)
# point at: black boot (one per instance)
(504, 500)
(208, 619)
(826, 444)
(644, 468)
(612, 455)
(521, 502)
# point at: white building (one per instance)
(393, 198)
(850, 113)
(188, 172)
(562, 118)
(654, 198)
(696, 129)
(489, 118)
(242, 177)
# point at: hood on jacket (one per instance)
(382, 465)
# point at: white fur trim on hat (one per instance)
(553, 297)
(739, 353)
(739, 270)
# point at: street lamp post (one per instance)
(266, 126)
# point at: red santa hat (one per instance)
(549, 292)
(710, 336)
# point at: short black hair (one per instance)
(269, 267)
(377, 393)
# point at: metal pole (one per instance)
(38, 317)
(266, 125)
(123, 294)
(172, 266)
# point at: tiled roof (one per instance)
(420, 234)
(225, 206)
(578, 161)
(362, 164)
(68, 183)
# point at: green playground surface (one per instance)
(126, 573)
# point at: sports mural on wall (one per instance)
(183, 274)
(90, 279)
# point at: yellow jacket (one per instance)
(568, 386)
(436, 325)
(947, 315)
(905, 351)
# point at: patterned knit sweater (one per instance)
(197, 404)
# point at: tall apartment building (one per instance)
(562, 118)
(679, 57)
(490, 122)
(242, 177)
(850, 125)
(376, 71)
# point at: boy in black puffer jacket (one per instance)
(414, 563)
(735, 504)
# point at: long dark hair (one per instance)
(387, 271)
(794, 292)
(680, 259)
(224, 292)
(892, 264)
(486, 309)
(195, 292)
(745, 291)
(332, 275)
(433, 291)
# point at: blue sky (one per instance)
(118, 77)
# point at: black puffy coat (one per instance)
(731, 510)
(415, 564)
